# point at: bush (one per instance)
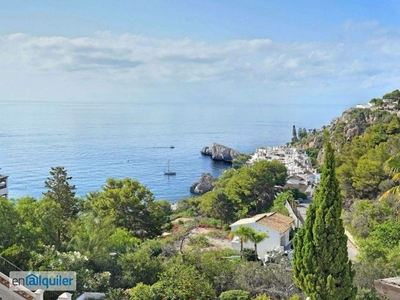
(240, 161)
(235, 295)
(367, 294)
(209, 222)
(98, 282)
(249, 254)
(18, 255)
(265, 297)
(140, 292)
(116, 294)
(182, 282)
(217, 234)
(226, 227)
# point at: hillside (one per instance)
(364, 139)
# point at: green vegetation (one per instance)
(130, 205)
(393, 97)
(235, 295)
(182, 282)
(294, 135)
(367, 143)
(60, 231)
(313, 155)
(321, 239)
(62, 196)
(240, 161)
(240, 192)
(245, 234)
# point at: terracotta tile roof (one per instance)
(276, 221)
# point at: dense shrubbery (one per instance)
(235, 295)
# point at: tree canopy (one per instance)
(130, 205)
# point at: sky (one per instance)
(206, 51)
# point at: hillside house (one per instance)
(3, 186)
(276, 225)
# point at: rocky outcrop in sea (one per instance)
(204, 185)
(220, 152)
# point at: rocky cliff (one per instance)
(353, 122)
(204, 185)
(220, 152)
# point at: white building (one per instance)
(3, 186)
(366, 105)
(276, 225)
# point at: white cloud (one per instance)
(129, 59)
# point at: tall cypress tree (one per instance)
(321, 265)
(294, 135)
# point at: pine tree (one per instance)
(63, 194)
(321, 265)
(294, 133)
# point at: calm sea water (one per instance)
(95, 141)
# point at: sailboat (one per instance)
(168, 172)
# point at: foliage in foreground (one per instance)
(321, 239)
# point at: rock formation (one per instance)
(204, 185)
(220, 152)
(353, 122)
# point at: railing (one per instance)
(6, 267)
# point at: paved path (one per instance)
(302, 207)
(351, 248)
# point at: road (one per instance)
(351, 248)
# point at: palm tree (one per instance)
(392, 166)
(256, 238)
(244, 233)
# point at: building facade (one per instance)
(4, 186)
(275, 225)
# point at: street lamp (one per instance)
(113, 255)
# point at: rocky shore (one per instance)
(204, 185)
(220, 152)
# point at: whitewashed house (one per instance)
(3, 186)
(276, 225)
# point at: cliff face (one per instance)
(220, 152)
(353, 122)
(204, 185)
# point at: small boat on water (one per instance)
(167, 171)
(172, 147)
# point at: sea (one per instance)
(96, 141)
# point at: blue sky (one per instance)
(242, 51)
